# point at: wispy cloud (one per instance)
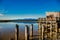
(1, 14)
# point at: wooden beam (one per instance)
(31, 32)
(17, 32)
(26, 32)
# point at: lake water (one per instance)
(11, 26)
(8, 29)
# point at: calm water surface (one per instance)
(7, 30)
(6, 27)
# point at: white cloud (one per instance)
(1, 14)
(2, 11)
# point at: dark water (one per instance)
(8, 29)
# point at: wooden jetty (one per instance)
(47, 30)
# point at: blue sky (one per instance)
(12, 9)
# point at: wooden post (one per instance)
(16, 32)
(39, 30)
(26, 32)
(31, 32)
(42, 32)
(51, 31)
(56, 31)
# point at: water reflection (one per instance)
(7, 30)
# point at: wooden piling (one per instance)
(55, 37)
(39, 31)
(31, 32)
(26, 32)
(16, 32)
(42, 32)
(51, 31)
